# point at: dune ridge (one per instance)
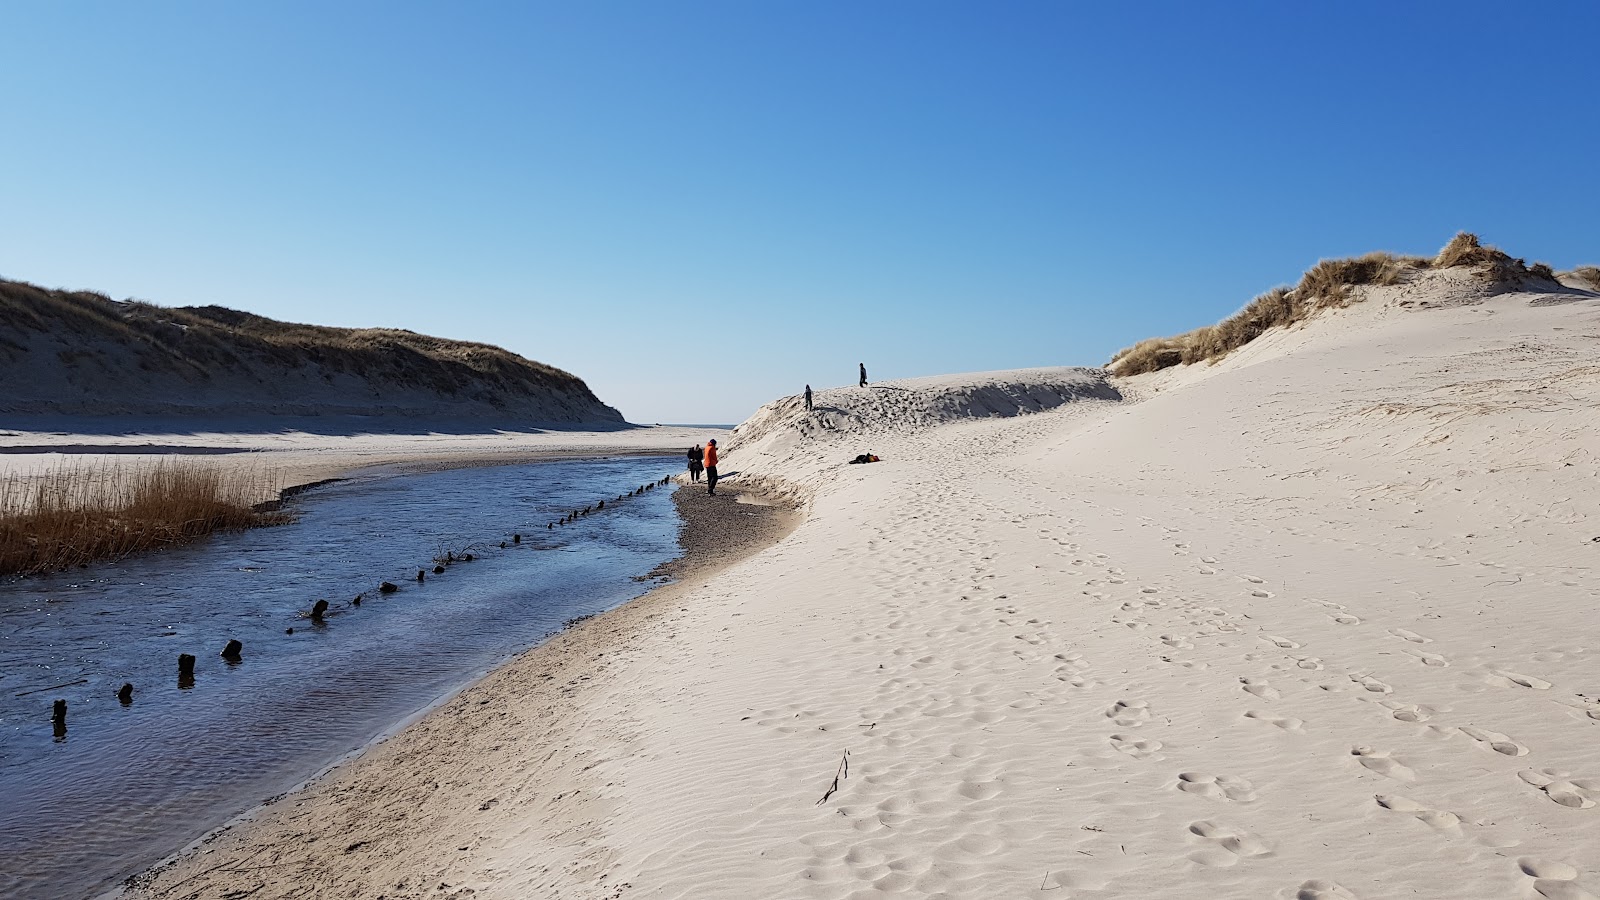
(84, 354)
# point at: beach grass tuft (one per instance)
(1326, 285)
(74, 515)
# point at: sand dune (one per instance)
(1316, 621)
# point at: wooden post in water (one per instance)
(233, 652)
(185, 670)
(125, 694)
(320, 607)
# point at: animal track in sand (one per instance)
(1381, 762)
(1527, 681)
(1575, 793)
(1280, 643)
(1129, 713)
(1412, 636)
(1319, 889)
(1231, 845)
(1259, 688)
(1287, 723)
(1438, 820)
(1138, 748)
(1495, 741)
(1372, 684)
(1217, 787)
(1554, 880)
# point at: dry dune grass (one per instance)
(1589, 275)
(1326, 284)
(74, 515)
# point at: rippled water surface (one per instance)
(125, 785)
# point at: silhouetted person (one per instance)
(863, 374)
(808, 398)
(711, 467)
(695, 454)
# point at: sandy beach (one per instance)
(1314, 622)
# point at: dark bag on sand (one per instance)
(863, 458)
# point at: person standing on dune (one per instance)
(863, 374)
(808, 398)
(711, 467)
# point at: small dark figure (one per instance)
(863, 374)
(808, 396)
(697, 455)
(711, 467)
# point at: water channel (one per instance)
(125, 785)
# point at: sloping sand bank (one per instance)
(1315, 622)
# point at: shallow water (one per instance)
(126, 785)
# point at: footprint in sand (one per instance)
(1408, 712)
(1412, 636)
(1287, 723)
(1527, 681)
(1217, 787)
(1495, 741)
(1320, 889)
(1372, 684)
(1129, 713)
(1259, 688)
(1447, 822)
(1575, 793)
(1554, 880)
(1207, 570)
(1230, 845)
(1253, 579)
(1280, 643)
(1263, 595)
(1345, 619)
(1311, 663)
(1380, 761)
(1138, 748)
(1429, 659)
(1176, 642)
(1210, 560)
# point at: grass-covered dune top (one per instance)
(1331, 283)
(82, 353)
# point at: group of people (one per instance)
(704, 459)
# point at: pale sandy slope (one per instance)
(1317, 622)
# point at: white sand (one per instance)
(1316, 622)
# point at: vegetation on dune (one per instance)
(1326, 285)
(1589, 275)
(72, 516)
(196, 343)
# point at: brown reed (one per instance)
(73, 515)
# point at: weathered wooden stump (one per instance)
(185, 668)
(125, 694)
(438, 570)
(516, 539)
(421, 576)
(233, 652)
(356, 601)
(389, 588)
(320, 607)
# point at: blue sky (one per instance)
(698, 207)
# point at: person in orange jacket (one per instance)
(711, 467)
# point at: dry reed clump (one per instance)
(75, 515)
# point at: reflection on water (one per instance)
(87, 803)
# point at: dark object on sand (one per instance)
(125, 693)
(864, 458)
(389, 588)
(233, 652)
(320, 607)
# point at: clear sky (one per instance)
(698, 207)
